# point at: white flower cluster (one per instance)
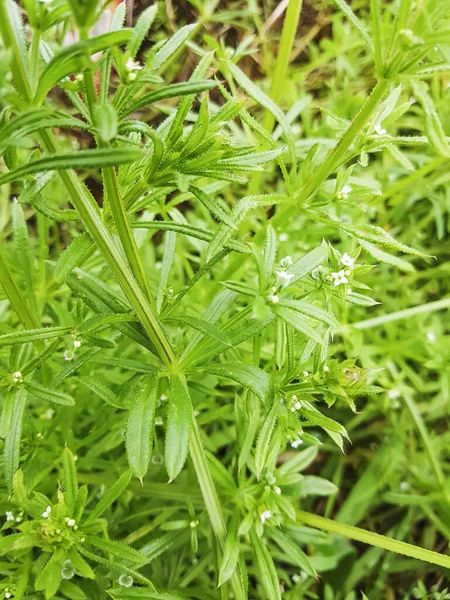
(70, 354)
(341, 277)
(283, 279)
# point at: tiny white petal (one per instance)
(76, 343)
(347, 260)
(286, 262)
(273, 298)
(431, 336)
(9, 515)
(265, 515)
(379, 129)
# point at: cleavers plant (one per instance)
(170, 363)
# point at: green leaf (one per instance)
(268, 576)
(214, 207)
(294, 319)
(290, 549)
(269, 255)
(169, 91)
(265, 437)
(110, 496)
(11, 453)
(231, 551)
(102, 391)
(172, 45)
(32, 335)
(106, 121)
(360, 299)
(179, 423)
(82, 159)
(317, 486)
(201, 325)
(389, 259)
(263, 100)
(300, 461)
(310, 310)
(141, 426)
(253, 378)
(48, 394)
(72, 257)
(24, 257)
(70, 480)
(190, 231)
(432, 122)
(170, 239)
(303, 266)
(377, 235)
(141, 28)
(143, 593)
(117, 549)
(75, 58)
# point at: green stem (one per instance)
(116, 204)
(15, 296)
(338, 151)
(401, 314)
(88, 211)
(277, 85)
(211, 499)
(374, 539)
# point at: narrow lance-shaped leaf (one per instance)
(179, 422)
(70, 480)
(82, 159)
(141, 425)
(11, 455)
(48, 394)
(253, 378)
(268, 576)
(168, 255)
(172, 45)
(23, 255)
(265, 437)
(72, 59)
(32, 335)
(110, 496)
(141, 28)
(290, 548)
(432, 122)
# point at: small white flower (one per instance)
(305, 373)
(296, 443)
(277, 490)
(284, 278)
(70, 522)
(48, 414)
(163, 397)
(393, 394)
(8, 594)
(339, 278)
(315, 272)
(17, 377)
(283, 237)
(297, 405)
(379, 130)
(431, 336)
(76, 343)
(9, 515)
(404, 486)
(273, 298)
(68, 355)
(133, 65)
(265, 515)
(296, 578)
(349, 291)
(344, 192)
(47, 512)
(347, 260)
(125, 580)
(193, 524)
(326, 369)
(286, 262)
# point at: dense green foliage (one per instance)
(224, 338)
